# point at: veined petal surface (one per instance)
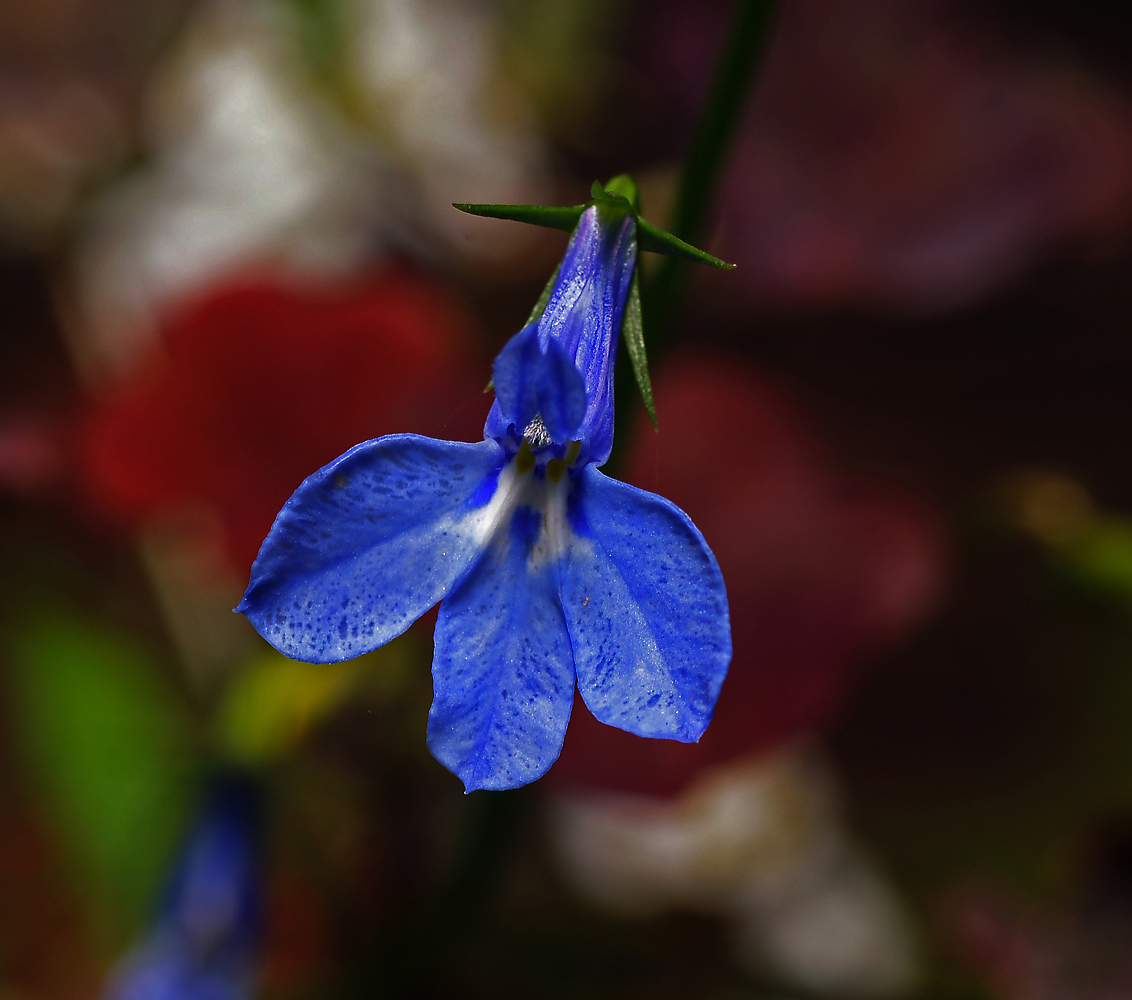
(536, 380)
(584, 313)
(646, 608)
(370, 542)
(561, 394)
(515, 378)
(503, 675)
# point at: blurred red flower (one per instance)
(259, 384)
(820, 571)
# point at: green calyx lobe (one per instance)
(618, 195)
(616, 198)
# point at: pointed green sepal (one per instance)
(633, 333)
(658, 241)
(564, 217)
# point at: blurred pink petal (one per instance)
(1026, 955)
(33, 454)
(897, 156)
(262, 382)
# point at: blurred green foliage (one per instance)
(108, 749)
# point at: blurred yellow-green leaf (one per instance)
(1093, 546)
(274, 702)
(1102, 555)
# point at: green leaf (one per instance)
(564, 217)
(543, 299)
(658, 241)
(108, 745)
(633, 333)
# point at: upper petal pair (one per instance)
(561, 365)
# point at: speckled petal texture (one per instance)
(646, 609)
(503, 676)
(369, 543)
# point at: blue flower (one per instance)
(548, 572)
(205, 941)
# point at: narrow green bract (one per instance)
(564, 217)
(543, 299)
(633, 333)
(658, 241)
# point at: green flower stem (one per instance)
(421, 949)
(707, 154)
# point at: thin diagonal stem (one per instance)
(707, 153)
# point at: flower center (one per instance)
(536, 434)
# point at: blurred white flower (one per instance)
(247, 169)
(257, 164)
(430, 68)
(761, 843)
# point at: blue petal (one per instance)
(503, 676)
(214, 895)
(515, 376)
(369, 543)
(532, 380)
(584, 313)
(561, 394)
(167, 969)
(647, 611)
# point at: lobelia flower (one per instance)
(205, 942)
(548, 572)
